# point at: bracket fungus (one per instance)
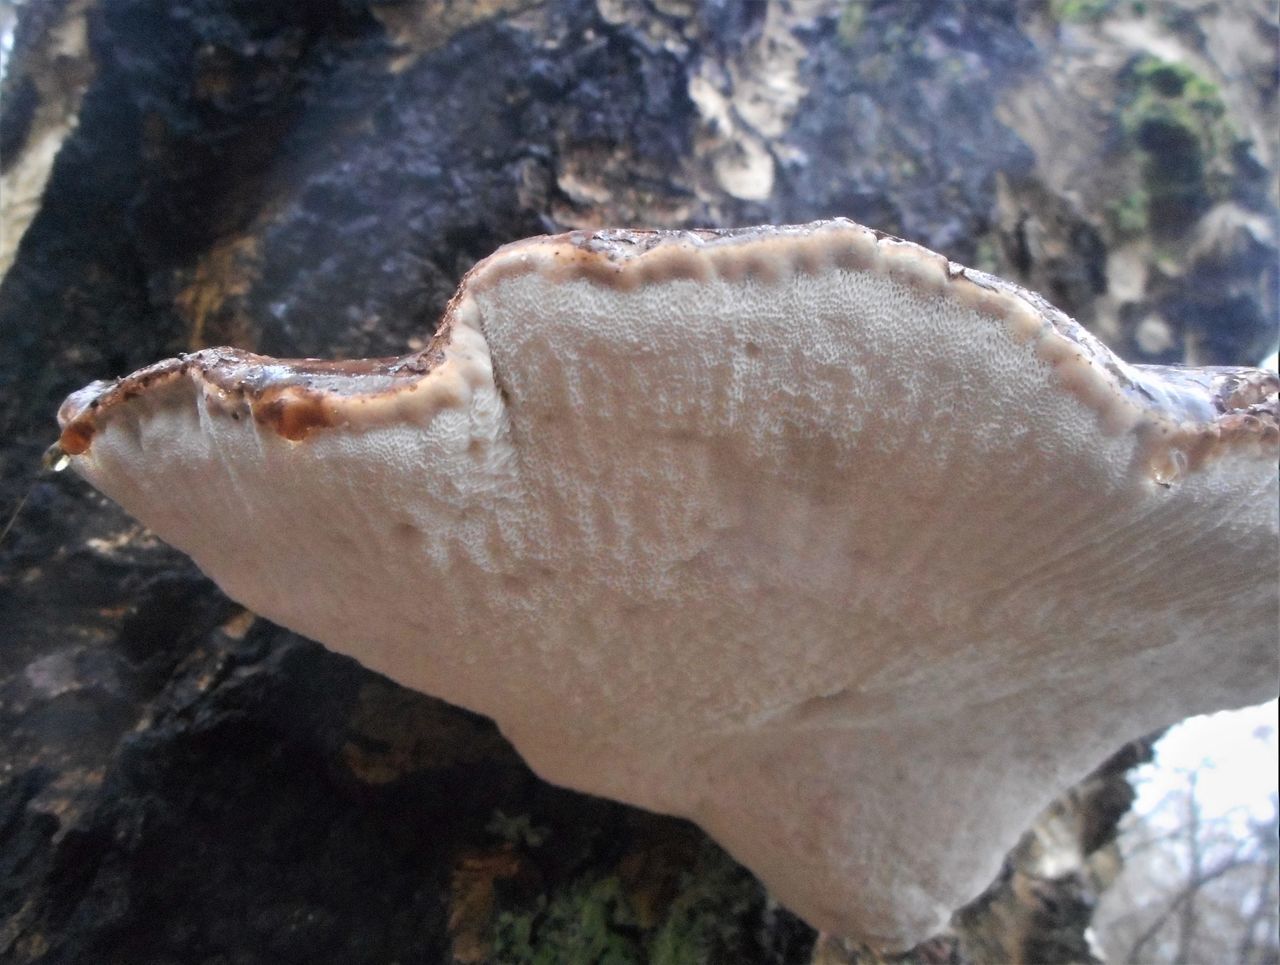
(852, 555)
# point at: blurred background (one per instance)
(183, 782)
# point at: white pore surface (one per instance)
(828, 565)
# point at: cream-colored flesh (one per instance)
(827, 561)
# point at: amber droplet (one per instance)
(1169, 468)
(55, 458)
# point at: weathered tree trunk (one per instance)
(183, 782)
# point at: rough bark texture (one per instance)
(183, 782)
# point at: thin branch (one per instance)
(1262, 909)
(1192, 886)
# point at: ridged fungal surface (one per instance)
(852, 555)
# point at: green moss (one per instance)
(1092, 11)
(518, 830)
(986, 255)
(586, 923)
(852, 17)
(1128, 215)
(705, 921)
(1177, 122)
(591, 921)
(1170, 80)
(1079, 11)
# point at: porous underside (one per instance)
(852, 555)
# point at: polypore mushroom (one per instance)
(852, 555)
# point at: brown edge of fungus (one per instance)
(1229, 407)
